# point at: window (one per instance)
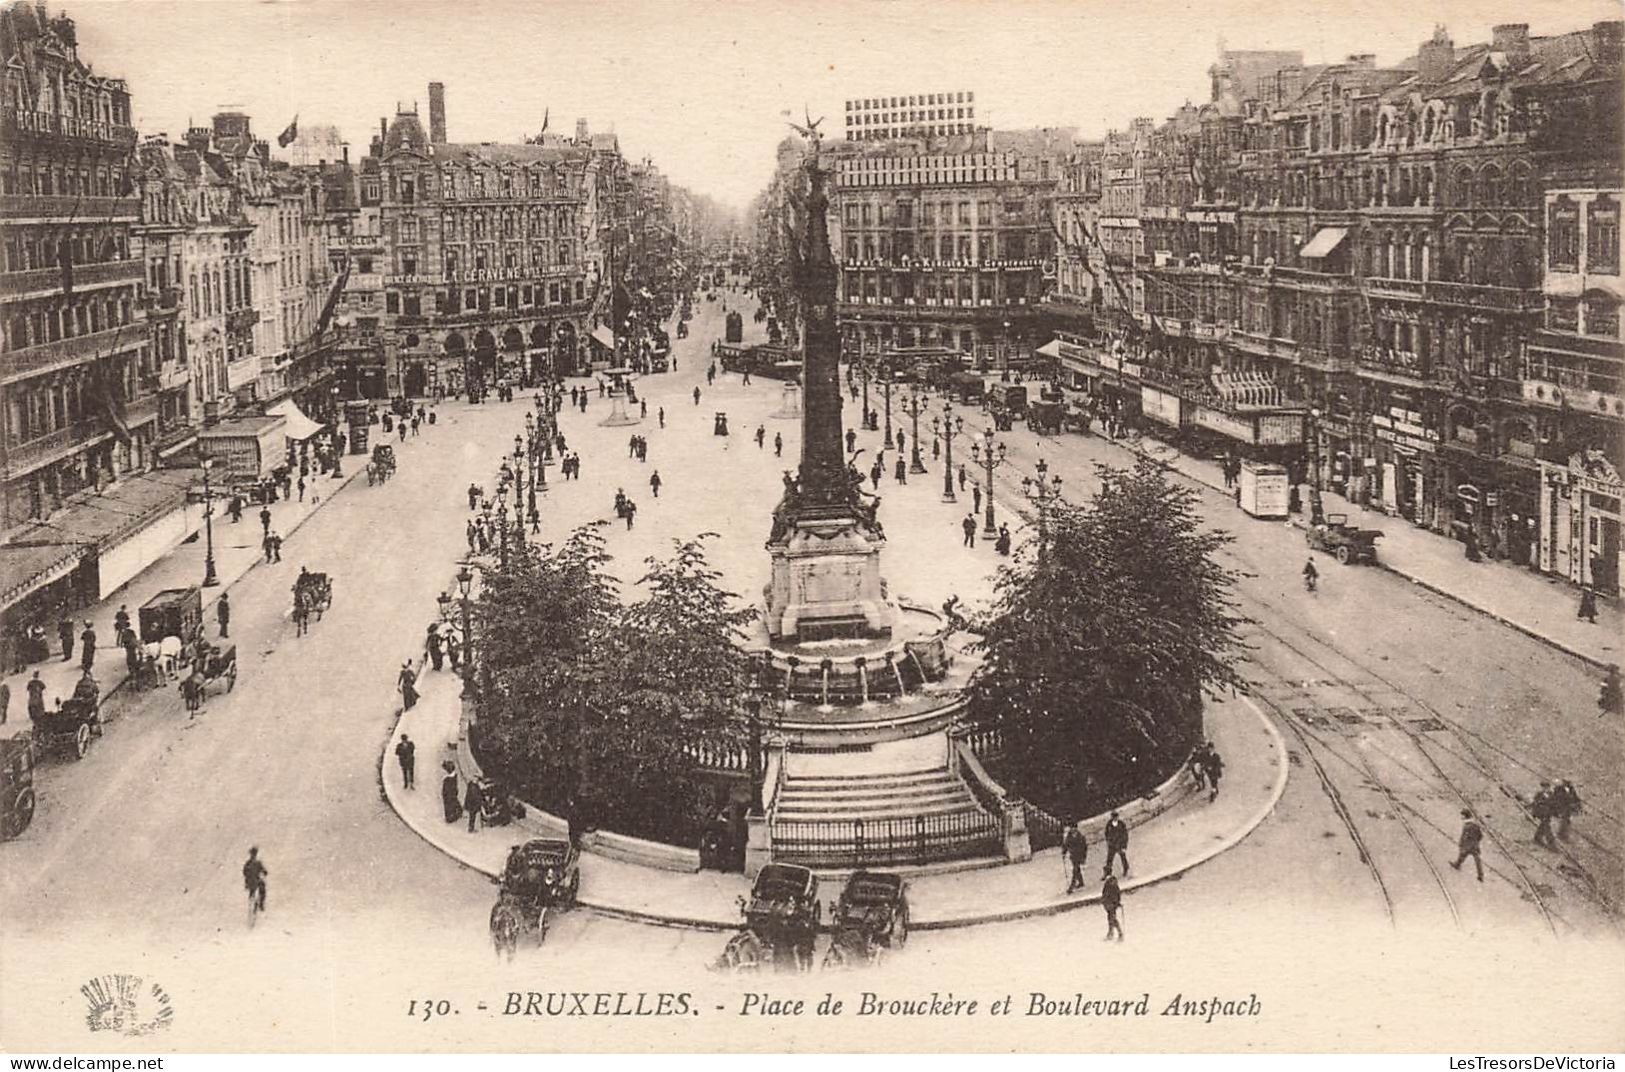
(1563, 314)
(984, 213)
(392, 302)
(1563, 235)
(1602, 317)
(1602, 236)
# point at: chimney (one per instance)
(1512, 38)
(346, 154)
(197, 139)
(1436, 57)
(437, 112)
(1364, 61)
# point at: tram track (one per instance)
(1354, 676)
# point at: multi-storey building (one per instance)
(493, 255)
(913, 115)
(946, 242)
(1367, 243)
(79, 385)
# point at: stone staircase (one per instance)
(889, 807)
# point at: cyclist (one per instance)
(254, 873)
(1310, 575)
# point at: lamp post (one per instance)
(914, 406)
(753, 704)
(885, 383)
(465, 583)
(991, 456)
(863, 371)
(1042, 493)
(210, 580)
(519, 468)
(1317, 512)
(948, 426)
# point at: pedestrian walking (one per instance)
(473, 801)
(1075, 850)
(1588, 604)
(222, 614)
(235, 509)
(778, 445)
(697, 394)
(1002, 543)
(454, 650)
(265, 520)
(643, 407)
(1214, 764)
(1565, 805)
(1472, 836)
(900, 444)
(936, 449)
(1198, 765)
(976, 498)
(660, 414)
(851, 440)
(969, 525)
(901, 470)
(1541, 809)
(276, 547)
(1111, 899)
(301, 489)
(535, 519)
(629, 513)
(761, 435)
(449, 803)
(121, 620)
(875, 472)
(64, 633)
(87, 650)
(36, 697)
(435, 646)
(961, 478)
(266, 544)
(406, 753)
(654, 483)
(1610, 699)
(1116, 843)
(406, 681)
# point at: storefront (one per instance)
(1403, 470)
(1580, 520)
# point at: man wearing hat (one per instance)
(1541, 808)
(1472, 835)
(1116, 843)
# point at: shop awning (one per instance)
(300, 427)
(1050, 349)
(1326, 240)
(603, 337)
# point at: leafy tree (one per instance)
(593, 705)
(1099, 643)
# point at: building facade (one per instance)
(913, 115)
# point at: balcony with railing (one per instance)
(37, 281)
(1393, 364)
(1486, 296)
(26, 457)
(79, 207)
(63, 353)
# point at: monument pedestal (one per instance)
(790, 407)
(826, 581)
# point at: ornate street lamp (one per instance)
(991, 455)
(949, 425)
(210, 580)
(1317, 510)
(1042, 493)
(914, 407)
(465, 583)
(885, 383)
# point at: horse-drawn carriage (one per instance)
(540, 874)
(74, 722)
(210, 664)
(781, 922)
(382, 466)
(312, 594)
(16, 785)
(871, 917)
(1044, 416)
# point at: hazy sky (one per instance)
(700, 86)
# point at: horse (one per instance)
(509, 924)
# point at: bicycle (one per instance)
(256, 903)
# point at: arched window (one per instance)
(1464, 185)
(1489, 186)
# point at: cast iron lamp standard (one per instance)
(914, 407)
(210, 579)
(465, 583)
(1317, 511)
(949, 425)
(885, 383)
(863, 371)
(519, 468)
(1042, 493)
(990, 455)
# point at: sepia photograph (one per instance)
(1049, 526)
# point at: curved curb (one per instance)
(1067, 904)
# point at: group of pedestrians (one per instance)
(638, 447)
(1075, 853)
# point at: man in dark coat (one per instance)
(64, 633)
(87, 640)
(473, 801)
(222, 614)
(406, 753)
(36, 697)
(1111, 899)
(1214, 765)
(1116, 843)
(1472, 836)
(1076, 848)
(435, 647)
(407, 682)
(969, 525)
(121, 621)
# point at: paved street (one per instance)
(1390, 729)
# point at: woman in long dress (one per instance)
(450, 800)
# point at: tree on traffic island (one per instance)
(1101, 638)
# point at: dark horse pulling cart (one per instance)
(542, 873)
(209, 664)
(312, 594)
